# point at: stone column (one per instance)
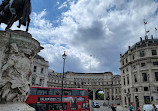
(105, 94)
(93, 94)
(114, 94)
(110, 96)
(17, 50)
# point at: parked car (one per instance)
(96, 105)
(148, 107)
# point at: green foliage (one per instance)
(100, 96)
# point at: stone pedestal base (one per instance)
(16, 107)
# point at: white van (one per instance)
(148, 107)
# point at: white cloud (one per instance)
(100, 28)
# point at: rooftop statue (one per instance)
(15, 10)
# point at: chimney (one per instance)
(141, 39)
(146, 37)
(152, 37)
(129, 47)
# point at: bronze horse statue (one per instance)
(15, 10)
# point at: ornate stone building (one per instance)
(39, 72)
(93, 82)
(139, 73)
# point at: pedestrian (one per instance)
(113, 107)
(154, 108)
(138, 109)
(131, 107)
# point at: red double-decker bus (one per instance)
(49, 99)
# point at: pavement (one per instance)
(103, 108)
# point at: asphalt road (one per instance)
(102, 108)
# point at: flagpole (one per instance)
(155, 32)
(145, 27)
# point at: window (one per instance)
(128, 90)
(35, 68)
(79, 93)
(124, 90)
(42, 70)
(51, 92)
(142, 53)
(154, 52)
(41, 82)
(146, 89)
(135, 78)
(155, 63)
(128, 80)
(125, 101)
(126, 60)
(42, 91)
(127, 69)
(124, 82)
(33, 91)
(67, 92)
(54, 106)
(133, 56)
(156, 76)
(136, 89)
(57, 91)
(144, 77)
(123, 63)
(33, 80)
(134, 66)
(123, 71)
(142, 64)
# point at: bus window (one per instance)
(85, 106)
(42, 92)
(57, 91)
(40, 107)
(56, 106)
(80, 99)
(83, 93)
(33, 91)
(79, 93)
(51, 92)
(75, 92)
(67, 92)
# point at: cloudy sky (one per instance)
(92, 32)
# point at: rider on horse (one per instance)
(4, 3)
(15, 10)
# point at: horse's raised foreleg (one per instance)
(11, 22)
(28, 23)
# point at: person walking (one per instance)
(113, 107)
(131, 107)
(138, 109)
(154, 108)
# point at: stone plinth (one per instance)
(17, 50)
(16, 107)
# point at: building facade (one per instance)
(139, 73)
(39, 72)
(93, 82)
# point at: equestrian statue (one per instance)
(15, 10)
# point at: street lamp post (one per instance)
(64, 57)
